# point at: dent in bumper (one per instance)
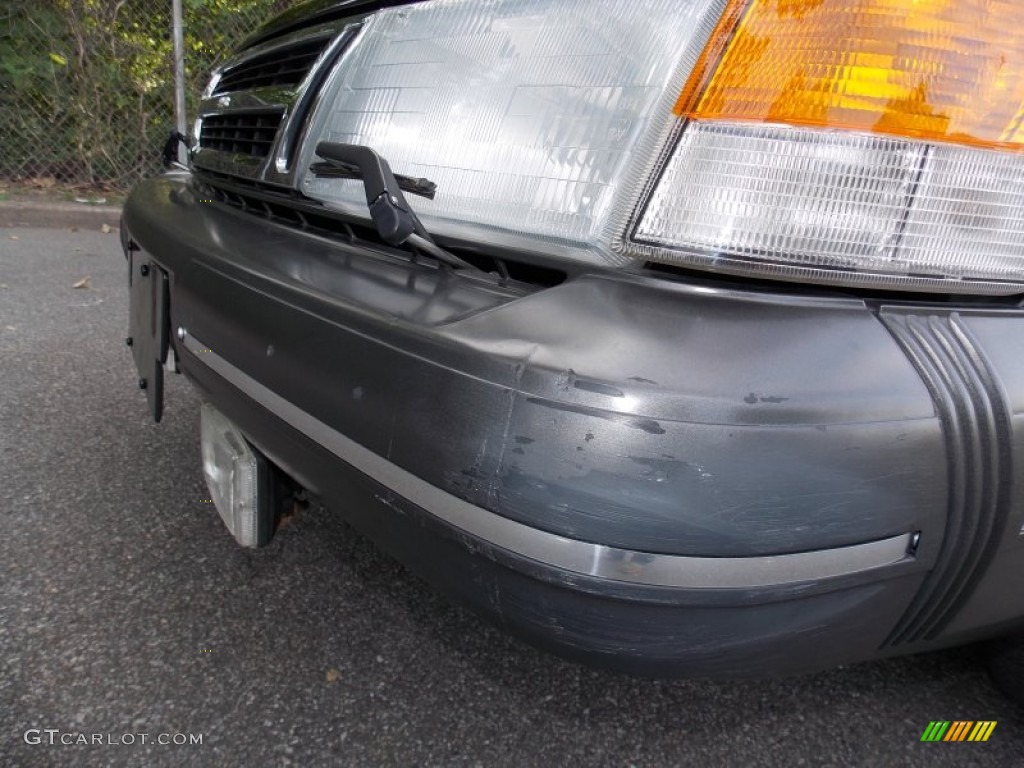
(549, 549)
(663, 420)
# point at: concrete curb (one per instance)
(58, 215)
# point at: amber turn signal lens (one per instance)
(939, 70)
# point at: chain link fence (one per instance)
(87, 86)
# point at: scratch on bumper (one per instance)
(581, 557)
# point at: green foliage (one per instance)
(87, 86)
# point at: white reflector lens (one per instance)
(536, 118)
(233, 475)
(832, 199)
(967, 219)
(839, 207)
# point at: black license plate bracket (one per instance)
(149, 326)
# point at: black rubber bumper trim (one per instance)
(978, 433)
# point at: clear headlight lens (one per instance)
(858, 142)
(536, 118)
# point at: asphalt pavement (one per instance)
(127, 610)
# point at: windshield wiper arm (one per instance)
(395, 221)
(335, 169)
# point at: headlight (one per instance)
(863, 142)
(537, 118)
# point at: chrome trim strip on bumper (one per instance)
(580, 557)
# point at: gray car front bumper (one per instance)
(664, 477)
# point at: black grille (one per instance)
(240, 133)
(284, 68)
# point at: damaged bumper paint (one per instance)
(661, 477)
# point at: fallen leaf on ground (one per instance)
(83, 283)
(106, 229)
(332, 675)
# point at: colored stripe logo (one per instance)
(958, 730)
